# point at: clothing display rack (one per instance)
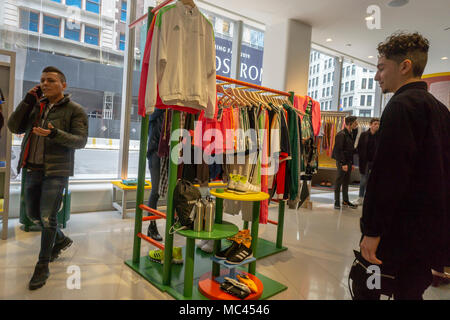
(178, 280)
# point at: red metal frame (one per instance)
(135, 22)
(150, 240)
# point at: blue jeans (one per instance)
(363, 183)
(43, 196)
(154, 166)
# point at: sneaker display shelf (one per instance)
(181, 281)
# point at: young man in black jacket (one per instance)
(405, 221)
(366, 152)
(343, 154)
(54, 126)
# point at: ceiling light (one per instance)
(370, 57)
(398, 3)
(370, 18)
(444, 58)
(329, 40)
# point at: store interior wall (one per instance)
(287, 48)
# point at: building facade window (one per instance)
(52, 26)
(352, 85)
(364, 83)
(29, 20)
(363, 100)
(76, 3)
(122, 42)
(350, 101)
(123, 12)
(369, 100)
(72, 31)
(91, 35)
(346, 86)
(93, 6)
(370, 84)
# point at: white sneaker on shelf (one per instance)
(245, 187)
(232, 182)
(208, 246)
(202, 243)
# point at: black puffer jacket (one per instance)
(70, 133)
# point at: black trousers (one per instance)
(343, 179)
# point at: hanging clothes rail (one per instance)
(251, 85)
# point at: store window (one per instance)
(93, 68)
(29, 20)
(52, 25)
(91, 35)
(76, 3)
(252, 52)
(93, 6)
(72, 31)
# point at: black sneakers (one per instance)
(346, 204)
(40, 276)
(222, 255)
(239, 254)
(58, 247)
(337, 206)
(153, 232)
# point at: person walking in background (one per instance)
(405, 220)
(343, 154)
(154, 165)
(54, 127)
(366, 152)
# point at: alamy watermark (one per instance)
(74, 280)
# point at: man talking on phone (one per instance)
(54, 126)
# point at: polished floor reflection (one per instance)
(315, 266)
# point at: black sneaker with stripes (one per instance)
(223, 255)
(239, 255)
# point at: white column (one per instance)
(287, 47)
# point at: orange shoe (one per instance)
(243, 278)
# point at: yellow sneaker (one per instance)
(243, 278)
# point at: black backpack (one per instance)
(184, 198)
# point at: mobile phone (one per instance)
(39, 91)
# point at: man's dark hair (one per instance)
(59, 72)
(349, 120)
(374, 120)
(401, 46)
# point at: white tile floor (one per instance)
(315, 266)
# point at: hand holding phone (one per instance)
(36, 91)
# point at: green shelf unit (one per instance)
(153, 273)
(220, 231)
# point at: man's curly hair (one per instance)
(401, 46)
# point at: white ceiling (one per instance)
(344, 22)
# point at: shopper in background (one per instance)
(405, 221)
(366, 152)
(54, 127)
(154, 165)
(343, 154)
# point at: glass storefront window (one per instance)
(322, 90)
(362, 90)
(252, 51)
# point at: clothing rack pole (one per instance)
(251, 85)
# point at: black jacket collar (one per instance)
(418, 85)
